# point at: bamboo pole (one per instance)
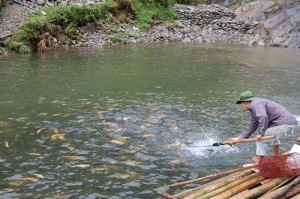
(260, 190)
(165, 195)
(213, 176)
(278, 193)
(211, 186)
(296, 196)
(235, 190)
(244, 140)
(293, 192)
(278, 186)
(227, 187)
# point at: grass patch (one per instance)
(20, 47)
(148, 13)
(116, 39)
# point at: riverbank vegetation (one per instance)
(1, 4)
(64, 21)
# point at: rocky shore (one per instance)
(198, 24)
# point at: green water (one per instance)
(117, 122)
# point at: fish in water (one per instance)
(42, 114)
(107, 167)
(118, 142)
(82, 166)
(58, 137)
(150, 135)
(23, 180)
(57, 114)
(73, 157)
(34, 154)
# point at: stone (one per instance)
(40, 2)
(198, 40)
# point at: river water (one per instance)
(127, 121)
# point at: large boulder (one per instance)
(279, 21)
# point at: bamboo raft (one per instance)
(276, 177)
(272, 177)
(245, 183)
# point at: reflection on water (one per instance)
(123, 122)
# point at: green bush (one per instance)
(64, 15)
(50, 20)
(29, 32)
(1, 4)
(70, 31)
(1, 50)
(24, 49)
(20, 47)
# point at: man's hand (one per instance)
(258, 138)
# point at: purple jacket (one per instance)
(265, 114)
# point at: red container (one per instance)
(280, 165)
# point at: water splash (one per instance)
(205, 148)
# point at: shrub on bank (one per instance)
(1, 4)
(63, 21)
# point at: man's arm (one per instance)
(248, 131)
(262, 117)
(251, 128)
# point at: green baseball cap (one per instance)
(246, 96)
